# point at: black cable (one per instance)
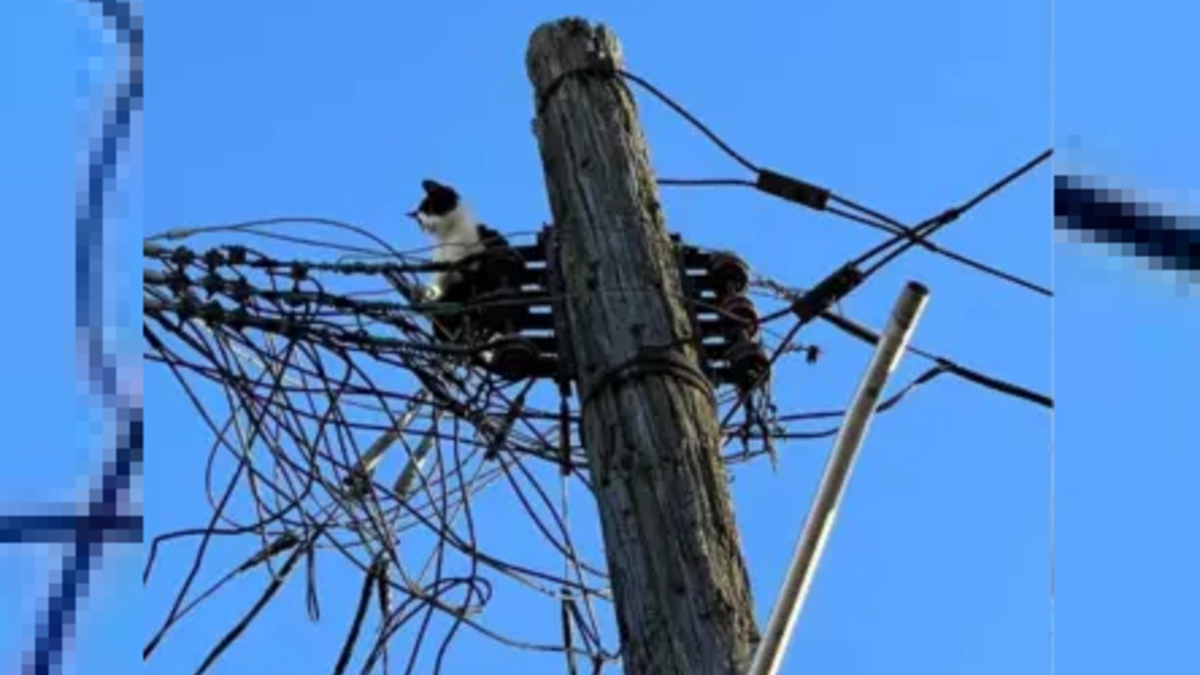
(792, 189)
(995, 384)
(846, 215)
(700, 126)
(929, 227)
(898, 230)
(807, 194)
(919, 233)
(1003, 182)
(861, 332)
(880, 408)
(183, 233)
(878, 221)
(706, 182)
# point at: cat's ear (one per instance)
(429, 186)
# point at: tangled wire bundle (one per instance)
(350, 428)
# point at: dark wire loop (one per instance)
(691, 119)
(607, 68)
(602, 67)
(650, 360)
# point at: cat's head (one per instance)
(441, 209)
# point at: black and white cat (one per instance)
(457, 235)
(456, 232)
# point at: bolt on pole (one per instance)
(901, 325)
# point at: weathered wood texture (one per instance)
(681, 590)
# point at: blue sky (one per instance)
(940, 560)
(1126, 428)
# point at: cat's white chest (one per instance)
(457, 245)
(457, 237)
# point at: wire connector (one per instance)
(792, 189)
(821, 297)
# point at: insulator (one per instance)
(737, 307)
(237, 255)
(183, 256)
(298, 271)
(213, 258)
(730, 275)
(748, 363)
(513, 358)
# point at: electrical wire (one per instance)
(848, 277)
(289, 415)
(932, 225)
(861, 332)
(790, 188)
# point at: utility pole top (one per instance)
(649, 426)
(569, 44)
(603, 197)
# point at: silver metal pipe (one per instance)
(900, 327)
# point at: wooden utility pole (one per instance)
(649, 418)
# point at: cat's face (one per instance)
(439, 210)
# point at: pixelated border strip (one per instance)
(107, 516)
(1086, 210)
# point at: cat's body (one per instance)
(455, 231)
(457, 235)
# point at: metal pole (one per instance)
(901, 325)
